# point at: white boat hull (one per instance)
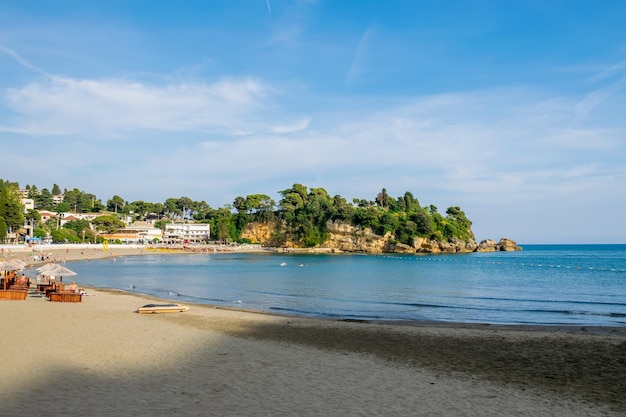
(162, 308)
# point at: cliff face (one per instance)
(260, 233)
(348, 238)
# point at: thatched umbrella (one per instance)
(57, 270)
(11, 265)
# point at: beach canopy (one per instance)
(56, 270)
(43, 268)
(12, 265)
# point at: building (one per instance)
(186, 233)
(47, 215)
(68, 217)
(29, 204)
(56, 198)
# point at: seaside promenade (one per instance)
(86, 251)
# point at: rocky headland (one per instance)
(347, 238)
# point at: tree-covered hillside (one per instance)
(301, 215)
(305, 214)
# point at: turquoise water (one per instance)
(543, 284)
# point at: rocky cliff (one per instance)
(347, 238)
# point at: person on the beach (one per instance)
(73, 287)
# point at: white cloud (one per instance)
(296, 126)
(70, 106)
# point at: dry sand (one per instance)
(100, 358)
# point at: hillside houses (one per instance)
(143, 231)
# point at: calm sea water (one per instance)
(543, 284)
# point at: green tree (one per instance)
(107, 223)
(72, 198)
(3, 229)
(141, 209)
(159, 209)
(367, 217)
(63, 207)
(77, 225)
(11, 207)
(43, 201)
(33, 192)
(64, 235)
(185, 205)
(423, 224)
(200, 210)
(410, 202)
(341, 210)
(86, 202)
(458, 224)
(240, 204)
(115, 204)
(170, 206)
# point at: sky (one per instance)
(514, 111)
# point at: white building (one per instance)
(186, 232)
(29, 204)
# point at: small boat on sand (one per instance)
(162, 308)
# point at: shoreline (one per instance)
(99, 357)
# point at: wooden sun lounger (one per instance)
(65, 297)
(13, 294)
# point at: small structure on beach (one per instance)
(14, 286)
(54, 290)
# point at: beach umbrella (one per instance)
(11, 265)
(60, 271)
(44, 268)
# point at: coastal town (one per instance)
(305, 219)
(132, 231)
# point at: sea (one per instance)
(578, 285)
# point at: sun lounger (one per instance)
(65, 297)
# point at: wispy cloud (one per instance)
(296, 126)
(291, 21)
(269, 7)
(23, 61)
(618, 68)
(596, 98)
(357, 67)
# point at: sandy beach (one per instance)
(100, 358)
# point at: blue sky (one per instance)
(512, 110)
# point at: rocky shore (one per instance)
(352, 239)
